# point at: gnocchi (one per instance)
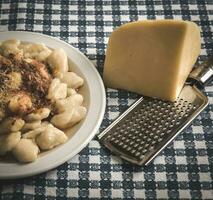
(26, 151)
(10, 47)
(58, 62)
(71, 91)
(69, 102)
(72, 80)
(31, 125)
(50, 138)
(29, 129)
(39, 114)
(69, 117)
(34, 133)
(20, 103)
(35, 51)
(11, 124)
(57, 90)
(9, 141)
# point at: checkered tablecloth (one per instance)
(184, 170)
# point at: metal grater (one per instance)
(149, 125)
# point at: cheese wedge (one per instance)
(152, 57)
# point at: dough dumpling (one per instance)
(72, 80)
(20, 103)
(38, 52)
(39, 114)
(26, 151)
(10, 47)
(50, 138)
(11, 124)
(69, 102)
(31, 125)
(35, 132)
(71, 91)
(58, 62)
(57, 90)
(69, 118)
(9, 141)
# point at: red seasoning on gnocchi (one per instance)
(38, 99)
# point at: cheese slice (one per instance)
(152, 57)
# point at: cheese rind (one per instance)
(152, 57)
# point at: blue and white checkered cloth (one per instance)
(184, 170)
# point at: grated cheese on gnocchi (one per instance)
(38, 100)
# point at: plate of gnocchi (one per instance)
(52, 102)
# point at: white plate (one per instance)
(95, 101)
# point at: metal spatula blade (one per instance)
(149, 125)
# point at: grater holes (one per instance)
(123, 126)
(133, 151)
(154, 129)
(141, 143)
(137, 154)
(146, 145)
(140, 147)
(135, 145)
(131, 143)
(123, 139)
(169, 131)
(127, 119)
(186, 114)
(194, 107)
(162, 134)
(128, 148)
(151, 148)
(164, 128)
(140, 115)
(150, 124)
(188, 109)
(117, 128)
(122, 130)
(179, 117)
(133, 117)
(181, 112)
(171, 125)
(138, 140)
(160, 126)
(173, 109)
(177, 122)
(155, 137)
(127, 140)
(153, 142)
(166, 111)
(137, 120)
(120, 143)
(144, 137)
(144, 151)
(128, 128)
(116, 141)
(134, 137)
(151, 134)
(158, 131)
(108, 137)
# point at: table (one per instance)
(184, 170)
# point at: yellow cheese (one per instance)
(152, 57)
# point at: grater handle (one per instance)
(203, 73)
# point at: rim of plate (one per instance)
(91, 123)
